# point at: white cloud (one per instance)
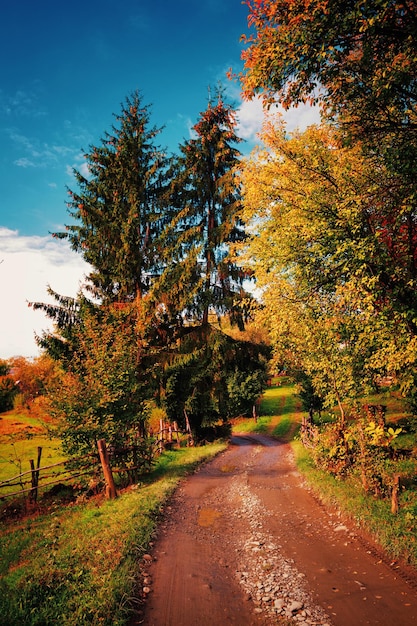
(24, 162)
(250, 119)
(40, 154)
(301, 117)
(81, 165)
(84, 170)
(27, 266)
(251, 115)
(21, 103)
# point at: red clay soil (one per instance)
(244, 542)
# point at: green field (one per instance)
(279, 414)
(20, 437)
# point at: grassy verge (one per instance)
(80, 564)
(397, 534)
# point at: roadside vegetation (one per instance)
(82, 563)
(322, 221)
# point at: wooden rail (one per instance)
(164, 439)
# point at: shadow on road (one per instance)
(253, 440)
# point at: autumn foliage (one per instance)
(333, 210)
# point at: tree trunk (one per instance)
(108, 476)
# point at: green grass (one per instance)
(18, 454)
(279, 413)
(397, 534)
(18, 448)
(80, 565)
(250, 426)
(282, 429)
(20, 417)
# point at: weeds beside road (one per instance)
(397, 534)
(79, 565)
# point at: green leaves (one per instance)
(203, 201)
(101, 395)
(157, 238)
(213, 377)
(357, 59)
(379, 435)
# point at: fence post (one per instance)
(108, 476)
(188, 428)
(161, 436)
(33, 494)
(394, 494)
(177, 434)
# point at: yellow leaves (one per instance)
(303, 197)
(379, 435)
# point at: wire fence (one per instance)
(131, 460)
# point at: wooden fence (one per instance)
(93, 464)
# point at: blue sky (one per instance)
(68, 66)
(66, 69)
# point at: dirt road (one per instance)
(244, 542)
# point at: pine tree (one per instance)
(116, 207)
(100, 343)
(204, 199)
(199, 377)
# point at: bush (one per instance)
(362, 449)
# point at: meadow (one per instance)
(20, 436)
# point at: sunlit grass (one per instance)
(80, 565)
(279, 413)
(20, 436)
(19, 416)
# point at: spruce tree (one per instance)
(116, 206)
(201, 283)
(204, 198)
(100, 343)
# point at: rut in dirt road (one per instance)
(244, 542)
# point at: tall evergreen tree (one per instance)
(100, 343)
(205, 198)
(119, 215)
(116, 207)
(206, 372)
